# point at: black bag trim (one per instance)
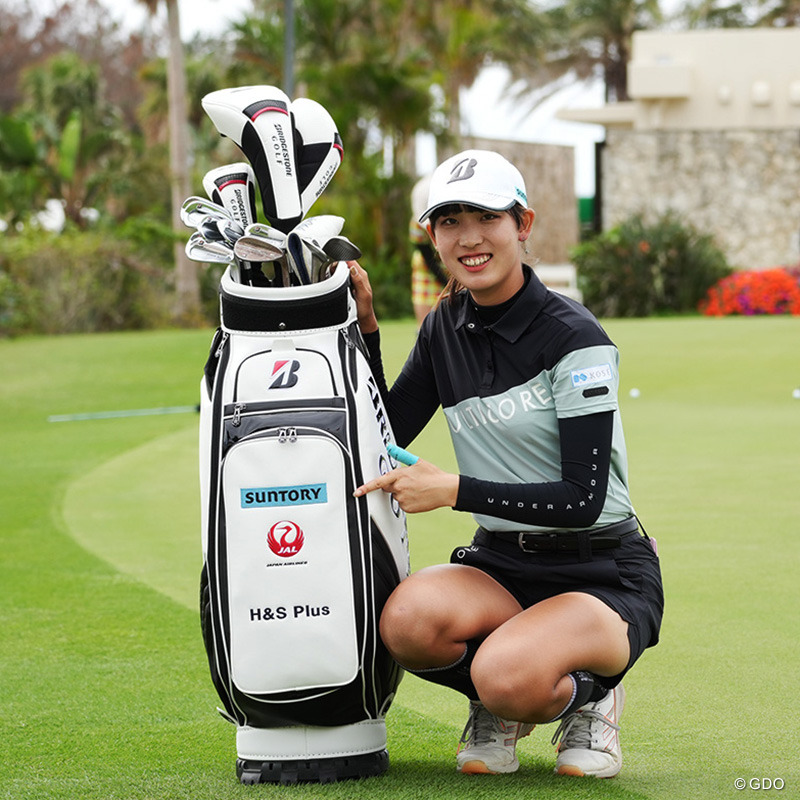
(261, 315)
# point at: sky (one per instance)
(196, 15)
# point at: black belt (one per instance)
(608, 537)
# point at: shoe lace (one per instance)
(576, 729)
(481, 726)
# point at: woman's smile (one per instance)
(475, 262)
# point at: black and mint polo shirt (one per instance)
(505, 386)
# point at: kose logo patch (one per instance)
(284, 374)
(596, 374)
(269, 497)
(285, 539)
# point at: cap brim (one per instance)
(483, 206)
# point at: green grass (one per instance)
(105, 690)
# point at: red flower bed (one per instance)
(769, 291)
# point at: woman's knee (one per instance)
(514, 686)
(412, 618)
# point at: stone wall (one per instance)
(742, 186)
(549, 172)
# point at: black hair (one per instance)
(516, 211)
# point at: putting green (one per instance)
(140, 512)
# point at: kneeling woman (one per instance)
(540, 617)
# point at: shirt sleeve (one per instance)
(575, 501)
(413, 399)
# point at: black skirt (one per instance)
(627, 579)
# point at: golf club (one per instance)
(195, 209)
(257, 249)
(198, 249)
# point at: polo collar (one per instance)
(517, 319)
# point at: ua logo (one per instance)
(463, 170)
(285, 374)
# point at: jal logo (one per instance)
(464, 170)
(284, 374)
(285, 539)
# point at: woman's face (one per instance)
(481, 250)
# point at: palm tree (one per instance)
(597, 33)
(187, 284)
(779, 14)
(463, 36)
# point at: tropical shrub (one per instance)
(76, 282)
(637, 268)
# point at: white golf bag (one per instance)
(296, 570)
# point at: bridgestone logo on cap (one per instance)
(463, 170)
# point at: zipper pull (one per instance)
(237, 414)
(292, 435)
(282, 435)
(347, 339)
(222, 342)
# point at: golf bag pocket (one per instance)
(286, 491)
(276, 372)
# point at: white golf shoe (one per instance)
(589, 743)
(489, 743)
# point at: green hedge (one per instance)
(637, 269)
(76, 282)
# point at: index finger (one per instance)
(377, 483)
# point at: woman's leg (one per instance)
(433, 613)
(522, 669)
(525, 666)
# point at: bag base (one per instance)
(306, 754)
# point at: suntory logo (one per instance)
(271, 496)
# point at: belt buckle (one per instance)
(539, 539)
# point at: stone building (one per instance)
(712, 132)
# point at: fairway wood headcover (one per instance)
(233, 186)
(318, 146)
(320, 229)
(258, 120)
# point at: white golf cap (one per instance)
(479, 178)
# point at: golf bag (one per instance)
(296, 570)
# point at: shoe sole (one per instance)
(576, 772)
(479, 768)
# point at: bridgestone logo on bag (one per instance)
(285, 374)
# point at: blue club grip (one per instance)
(403, 456)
